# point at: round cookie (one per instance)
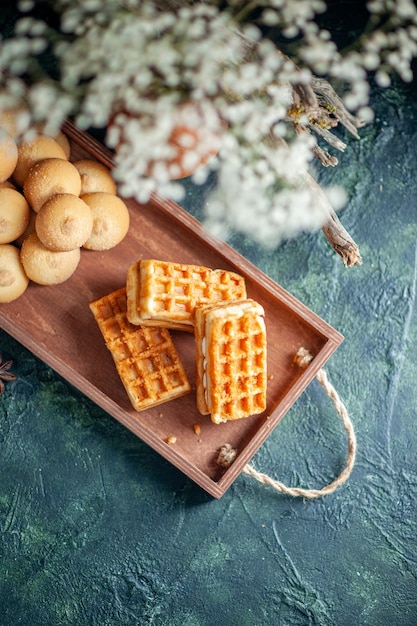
(49, 177)
(95, 177)
(64, 222)
(110, 220)
(45, 266)
(14, 215)
(63, 141)
(32, 151)
(13, 279)
(8, 156)
(59, 136)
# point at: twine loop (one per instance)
(227, 453)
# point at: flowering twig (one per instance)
(140, 62)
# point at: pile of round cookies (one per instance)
(50, 208)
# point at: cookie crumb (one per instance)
(226, 455)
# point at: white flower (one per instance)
(130, 66)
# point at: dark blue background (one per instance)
(97, 529)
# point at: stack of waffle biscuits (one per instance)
(167, 294)
(229, 330)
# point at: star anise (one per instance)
(5, 375)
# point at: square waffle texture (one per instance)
(162, 293)
(145, 358)
(231, 366)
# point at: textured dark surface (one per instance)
(97, 529)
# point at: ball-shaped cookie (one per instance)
(64, 222)
(63, 141)
(14, 214)
(47, 267)
(8, 156)
(34, 150)
(59, 136)
(95, 177)
(110, 220)
(13, 279)
(49, 177)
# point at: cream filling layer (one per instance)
(205, 376)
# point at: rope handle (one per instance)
(227, 454)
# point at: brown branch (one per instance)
(341, 241)
(335, 233)
(324, 110)
(329, 100)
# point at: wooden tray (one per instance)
(55, 323)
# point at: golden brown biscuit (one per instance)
(14, 215)
(164, 293)
(13, 279)
(49, 177)
(231, 362)
(64, 222)
(95, 177)
(8, 156)
(34, 150)
(60, 137)
(145, 358)
(111, 220)
(64, 142)
(44, 266)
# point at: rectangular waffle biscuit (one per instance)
(231, 376)
(162, 293)
(145, 358)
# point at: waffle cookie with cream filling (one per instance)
(231, 376)
(162, 293)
